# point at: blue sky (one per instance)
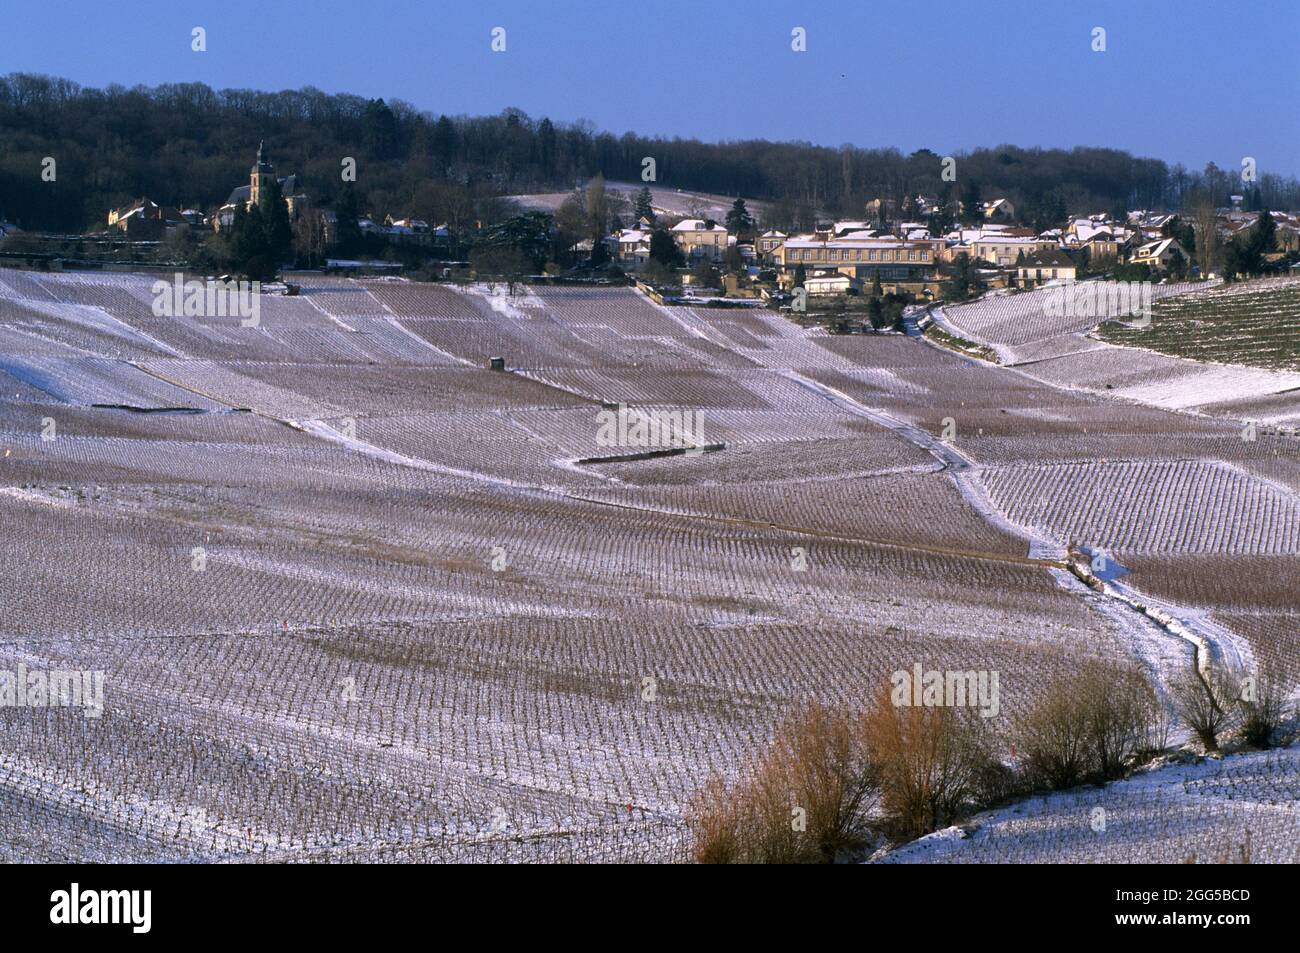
(1187, 81)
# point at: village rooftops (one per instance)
(1005, 238)
(632, 235)
(148, 209)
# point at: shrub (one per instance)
(1089, 726)
(1263, 708)
(807, 799)
(1209, 702)
(931, 761)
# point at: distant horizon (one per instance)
(563, 122)
(904, 76)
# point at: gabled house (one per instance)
(145, 219)
(630, 246)
(768, 242)
(1160, 255)
(1043, 266)
(999, 210)
(700, 238)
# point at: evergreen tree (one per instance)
(1242, 256)
(966, 283)
(738, 219)
(278, 242)
(643, 208)
(380, 130)
(246, 239)
(347, 233)
(663, 249)
(971, 208)
(1177, 265)
(546, 152)
(248, 244)
(443, 142)
(876, 313)
(1264, 234)
(528, 233)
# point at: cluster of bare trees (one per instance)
(1222, 697)
(833, 781)
(832, 778)
(1090, 727)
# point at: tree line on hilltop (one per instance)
(188, 145)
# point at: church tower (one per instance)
(261, 177)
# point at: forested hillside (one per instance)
(188, 145)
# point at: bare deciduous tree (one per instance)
(1263, 707)
(1209, 702)
(1205, 225)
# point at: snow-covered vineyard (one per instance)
(1245, 354)
(356, 596)
(1244, 809)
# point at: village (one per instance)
(903, 255)
(920, 250)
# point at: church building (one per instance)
(259, 182)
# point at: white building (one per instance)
(700, 238)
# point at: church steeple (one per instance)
(262, 176)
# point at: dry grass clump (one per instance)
(832, 780)
(1224, 697)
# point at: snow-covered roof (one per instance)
(890, 242)
(697, 225)
(1087, 229)
(1008, 239)
(1154, 249)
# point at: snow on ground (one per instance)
(1243, 808)
(393, 515)
(1057, 351)
(664, 200)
